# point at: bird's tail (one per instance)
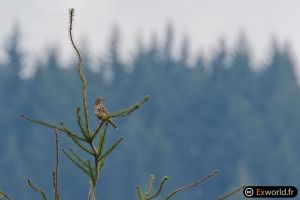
(113, 124)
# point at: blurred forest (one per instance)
(221, 114)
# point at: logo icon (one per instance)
(248, 192)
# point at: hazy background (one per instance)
(210, 107)
(45, 22)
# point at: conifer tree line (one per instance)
(222, 115)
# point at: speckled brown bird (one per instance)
(102, 114)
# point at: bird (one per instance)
(102, 114)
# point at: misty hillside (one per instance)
(222, 115)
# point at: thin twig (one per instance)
(77, 164)
(97, 130)
(214, 173)
(110, 149)
(56, 166)
(102, 140)
(4, 195)
(81, 145)
(85, 163)
(139, 192)
(79, 70)
(125, 112)
(101, 164)
(79, 122)
(37, 189)
(159, 189)
(71, 134)
(42, 123)
(232, 193)
(54, 126)
(150, 185)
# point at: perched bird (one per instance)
(102, 114)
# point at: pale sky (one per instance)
(44, 23)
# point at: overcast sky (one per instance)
(44, 22)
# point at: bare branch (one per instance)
(126, 112)
(42, 193)
(55, 173)
(162, 182)
(232, 193)
(79, 70)
(2, 195)
(202, 180)
(83, 168)
(150, 185)
(110, 149)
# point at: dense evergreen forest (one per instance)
(203, 116)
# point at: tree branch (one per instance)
(126, 112)
(54, 126)
(214, 173)
(232, 193)
(150, 185)
(162, 182)
(79, 70)
(110, 149)
(77, 164)
(42, 193)
(55, 173)
(79, 122)
(2, 195)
